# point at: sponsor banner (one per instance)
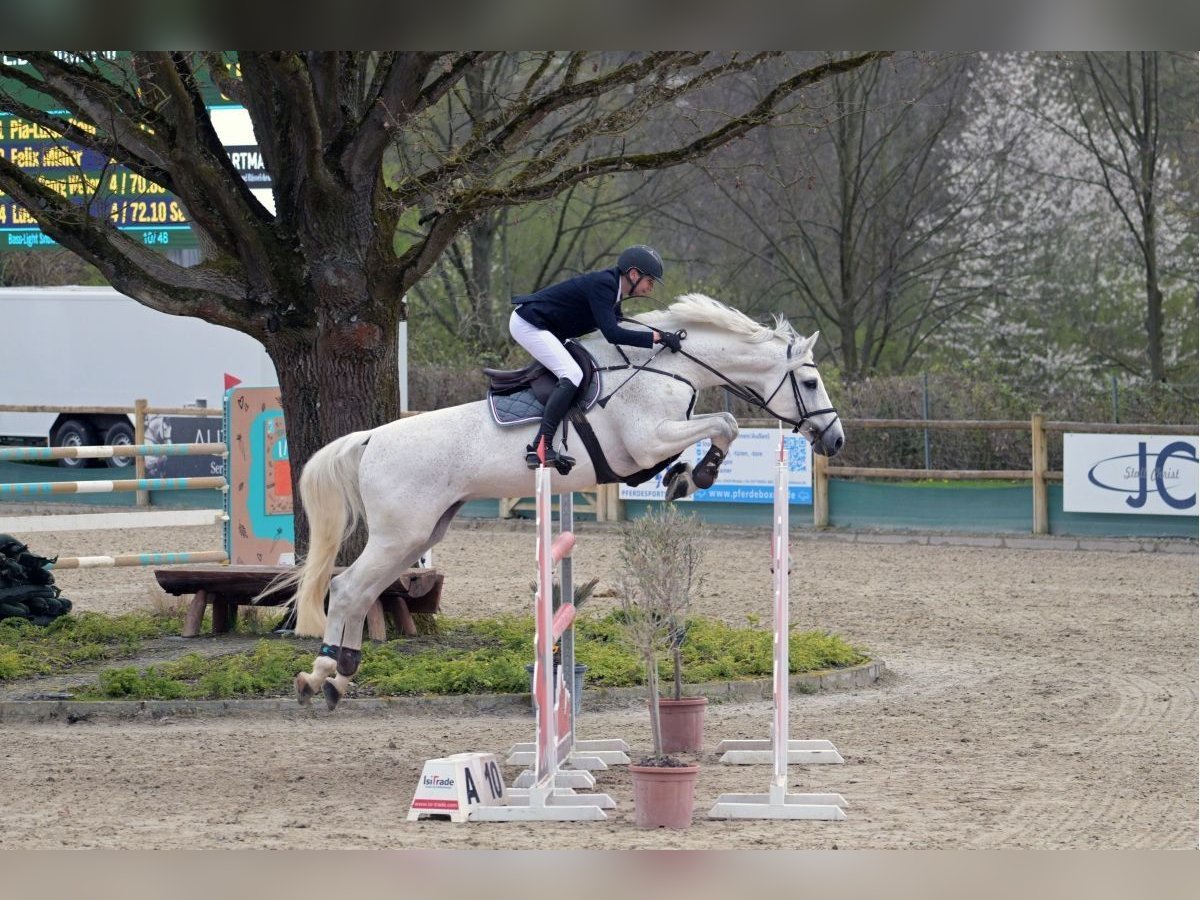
(1137, 474)
(184, 430)
(748, 474)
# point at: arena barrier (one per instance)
(547, 797)
(79, 521)
(778, 749)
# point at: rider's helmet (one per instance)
(645, 259)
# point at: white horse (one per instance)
(408, 478)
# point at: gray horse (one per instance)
(408, 478)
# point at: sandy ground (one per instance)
(1038, 699)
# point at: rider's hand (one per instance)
(673, 340)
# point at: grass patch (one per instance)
(473, 657)
(27, 649)
(266, 670)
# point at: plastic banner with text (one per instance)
(748, 473)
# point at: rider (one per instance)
(543, 320)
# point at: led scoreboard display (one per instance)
(88, 178)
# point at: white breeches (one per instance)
(545, 348)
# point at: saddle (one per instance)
(518, 396)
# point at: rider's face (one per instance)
(644, 286)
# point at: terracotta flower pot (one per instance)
(663, 796)
(682, 724)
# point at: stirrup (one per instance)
(563, 463)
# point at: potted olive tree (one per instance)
(660, 557)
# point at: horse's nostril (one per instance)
(837, 444)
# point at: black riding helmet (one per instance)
(645, 259)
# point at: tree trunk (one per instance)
(1154, 297)
(324, 379)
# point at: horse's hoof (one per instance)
(332, 697)
(304, 691)
(678, 488)
(679, 468)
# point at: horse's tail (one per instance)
(329, 492)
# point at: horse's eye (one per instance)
(811, 384)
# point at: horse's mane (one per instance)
(699, 309)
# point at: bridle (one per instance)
(746, 394)
(755, 399)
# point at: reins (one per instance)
(743, 393)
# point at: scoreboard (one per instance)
(133, 202)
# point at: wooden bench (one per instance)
(228, 587)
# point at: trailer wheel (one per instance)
(120, 435)
(74, 433)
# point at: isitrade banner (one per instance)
(1137, 474)
(748, 473)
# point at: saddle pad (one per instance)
(522, 407)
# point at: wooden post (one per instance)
(820, 479)
(1041, 505)
(195, 614)
(139, 437)
(616, 508)
(376, 625)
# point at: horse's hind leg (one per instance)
(351, 594)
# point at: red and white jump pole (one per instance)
(546, 798)
(582, 757)
(779, 750)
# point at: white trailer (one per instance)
(95, 347)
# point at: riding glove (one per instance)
(670, 339)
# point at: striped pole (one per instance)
(780, 554)
(140, 559)
(35, 454)
(212, 482)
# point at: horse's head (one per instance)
(771, 367)
(809, 403)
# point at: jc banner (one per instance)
(1140, 474)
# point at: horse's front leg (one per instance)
(673, 436)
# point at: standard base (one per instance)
(759, 753)
(778, 805)
(540, 805)
(563, 778)
(589, 755)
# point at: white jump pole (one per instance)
(545, 799)
(779, 750)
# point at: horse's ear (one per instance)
(803, 350)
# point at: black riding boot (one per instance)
(557, 405)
